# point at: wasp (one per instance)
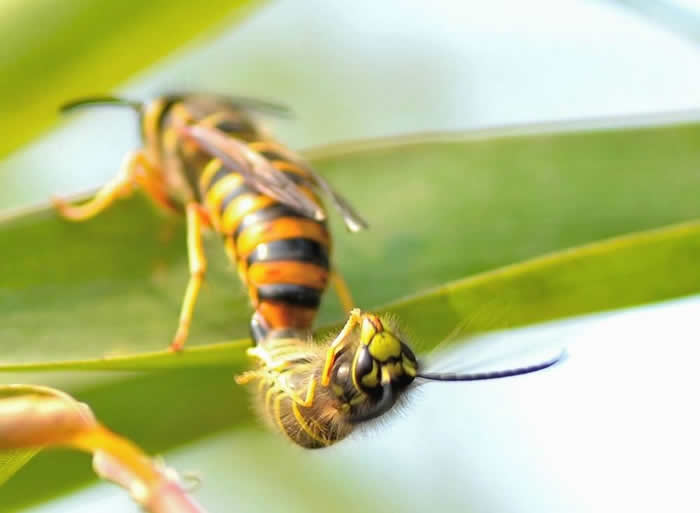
(316, 394)
(207, 157)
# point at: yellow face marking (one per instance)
(386, 374)
(359, 399)
(372, 379)
(409, 367)
(367, 332)
(384, 346)
(337, 389)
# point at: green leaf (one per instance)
(439, 209)
(55, 51)
(630, 270)
(12, 461)
(623, 271)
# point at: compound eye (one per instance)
(364, 365)
(341, 372)
(366, 371)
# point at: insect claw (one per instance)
(178, 343)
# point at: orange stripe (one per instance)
(311, 195)
(240, 207)
(284, 165)
(280, 315)
(297, 273)
(280, 228)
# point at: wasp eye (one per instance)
(342, 372)
(364, 363)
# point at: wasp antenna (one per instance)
(481, 376)
(99, 101)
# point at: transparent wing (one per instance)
(255, 169)
(352, 219)
(234, 102)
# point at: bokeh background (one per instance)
(611, 428)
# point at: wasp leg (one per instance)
(135, 170)
(342, 291)
(196, 219)
(338, 345)
(248, 376)
(118, 187)
(310, 395)
(151, 182)
(270, 364)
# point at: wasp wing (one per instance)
(242, 103)
(255, 169)
(352, 219)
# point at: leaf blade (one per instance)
(11, 461)
(80, 49)
(487, 202)
(550, 287)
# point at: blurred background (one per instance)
(613, 427)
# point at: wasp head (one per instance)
(382, 367)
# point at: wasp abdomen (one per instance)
(282, 256)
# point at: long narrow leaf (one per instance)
(439, 211)
(625, 271)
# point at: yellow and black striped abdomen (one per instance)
(281, 255)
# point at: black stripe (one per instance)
(296, 178)
(297, 249)
(273, 155)
(266, 214)
(241, 189)
(297, 295)
(170, 102)
(232, 127)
